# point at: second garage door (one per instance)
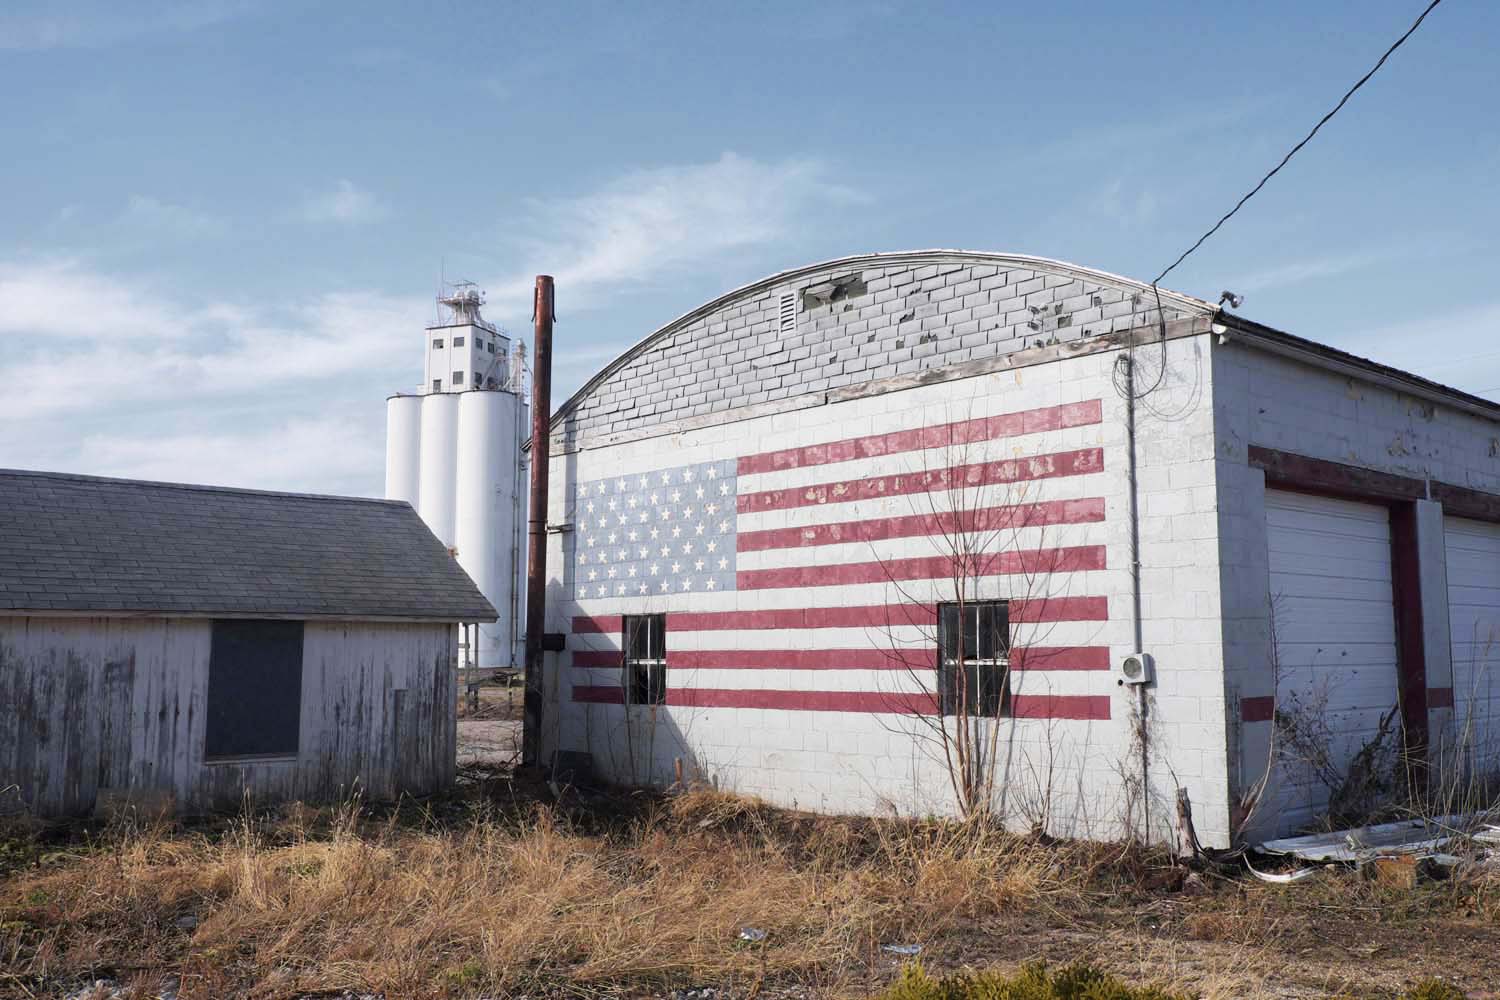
(1473, 556)
(1333, 617)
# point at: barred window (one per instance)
(974, 658)
(645, 643)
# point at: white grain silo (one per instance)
(403, 439)
(453, 451)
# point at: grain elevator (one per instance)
(453, 451)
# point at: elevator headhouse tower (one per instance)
(453, 451)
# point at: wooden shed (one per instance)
(200, 645)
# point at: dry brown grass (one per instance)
(633, 895)
(338, 900)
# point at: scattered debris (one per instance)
(752, 934)
(1280, 878)
(907, 950)
(1416, 836)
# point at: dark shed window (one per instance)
(974, 658)
(645, 659)
(254, 689)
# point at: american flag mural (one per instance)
(754, 559)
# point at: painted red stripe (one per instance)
(1060, 560)
(1060, 706)
(1258, 709)
(1048, 609)
(802, 659)
(1030, 658)
(602, 624)
(988, 519)
(1439, 697)
(865, 702)
(1033, 658)
(1047, 418)
(1051, 466)
(597, 658)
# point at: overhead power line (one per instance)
(1306, 139)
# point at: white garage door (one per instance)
(1333, 615)
(1473, 550)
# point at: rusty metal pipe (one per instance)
(536, 556)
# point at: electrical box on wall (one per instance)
(1137, 668)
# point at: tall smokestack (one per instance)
(536, 557)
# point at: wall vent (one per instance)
(786, 313)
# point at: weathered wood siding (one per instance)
(100, 704)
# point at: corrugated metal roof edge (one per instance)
(471, 615)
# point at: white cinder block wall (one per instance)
(1078, 776)
(1267, 401)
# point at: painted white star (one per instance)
(590, 507)
(666, 550)
(712, 585)
(687, 584)
(687, 548)
(712, 508)
(666, 513)
(676, 531)
(621, 519)
(612, 573)
(643, 588)
(631, 571)
(698, 565)
(677, 567)
(632, 503)
(593, 574)
(624, 554)
(583, 557)
(700, 529)
(666, 478)
(687, 511)
(713, 546)
(645, 481)
(612, 537)
(655, 532)
(654, 568)
(612, 503)
(676, 496)
(687, 475)
(620, 590)
(654, 497)
(644, 552)
(590, 540)
(641, 517)
(723, 489)
(723, 526)
(621, 486)
(665, 585)
(723, 563)
(698, 493)
(631, 535)
(713, 473)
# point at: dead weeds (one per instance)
(502, 894)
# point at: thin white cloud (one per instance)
(60, 298)
(1308, 269)
(154, 217)
(1125, 207)
(652, 222)
(346, 204)
(97, 23)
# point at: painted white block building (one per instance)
(757, 511)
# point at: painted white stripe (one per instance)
(1034, 684)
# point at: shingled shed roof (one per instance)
(87, 544)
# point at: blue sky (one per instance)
(222, 222)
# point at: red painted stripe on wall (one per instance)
(1052, 466)
(1047, 418)
(1258, 709)
(1035, 658)
(1030, 658)
(1088, 707)
(1007, 518)
(1069, 559)
(1048, 609)
(598, 658)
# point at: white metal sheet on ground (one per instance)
(1333, 616)
(1473, 558)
